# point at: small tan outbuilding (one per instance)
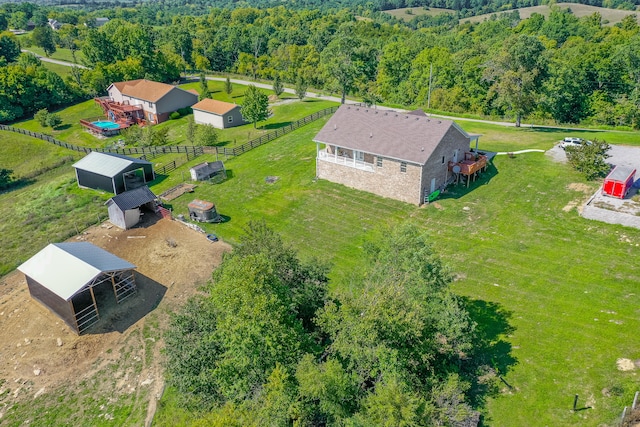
(218, 114)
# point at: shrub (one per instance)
(41, 117)
(175, 115)
(185, 111)
(54, 120)
(589, 158)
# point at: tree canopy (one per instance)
(268, 345)
(255, 107)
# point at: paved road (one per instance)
(382, 107)
(56, 61)
(337, 99)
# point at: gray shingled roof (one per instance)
(66, 268)
(107, 164)
(133, 198)
(401, 136)
(211, 167)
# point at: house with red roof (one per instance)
(157, 100)
(218, 114)
(402, 156)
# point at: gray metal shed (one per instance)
(205, 171)
(62, 277)
(124, 209)
(113, 173)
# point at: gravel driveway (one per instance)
(609, 209)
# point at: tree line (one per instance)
(559, 69)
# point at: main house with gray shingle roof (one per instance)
(403, 156)
(158, 100)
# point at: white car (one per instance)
(570, 142)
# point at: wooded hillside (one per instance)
(559, 69)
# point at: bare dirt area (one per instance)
(120, 355)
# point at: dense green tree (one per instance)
(278, 88)
(341, 65)
(41, 117)
(9, 47)
(18, 20)
(228, 87)
(205, 135)
(301, 88)
(204, 87)
(516, 74)
(4, 23)
(132, 135)
(590, 158)
(191, 130)
(6, 178)
(97, 47)
(247, 332)
(43, 37)
(392, 353)
(54, 120)
(255, 107)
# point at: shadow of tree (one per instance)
(276, 125)
(491, 356)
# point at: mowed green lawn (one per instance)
(555, 293)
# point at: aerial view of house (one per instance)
(156, 100)
(403, 156)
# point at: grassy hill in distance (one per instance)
(609, 16)
(408, 13)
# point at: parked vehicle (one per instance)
(570, 142)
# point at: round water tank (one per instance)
(456, 169)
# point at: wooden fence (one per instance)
(149, 153)
(144, 153)
(236, 151)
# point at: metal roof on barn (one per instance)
(133, 198)
(67, 268)
(107, 164)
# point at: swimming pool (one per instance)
(106, 125)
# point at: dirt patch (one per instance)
(625, 364)
(578, 203)
(581, 187)
(40, 354)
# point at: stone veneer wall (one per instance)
(386, 181)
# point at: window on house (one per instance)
(403, 166)
(149, 102)
(443, 160)
(230, 119)
(379, 161)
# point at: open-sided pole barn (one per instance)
(62, 277)
(113, 173)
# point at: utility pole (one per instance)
(429, 96)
